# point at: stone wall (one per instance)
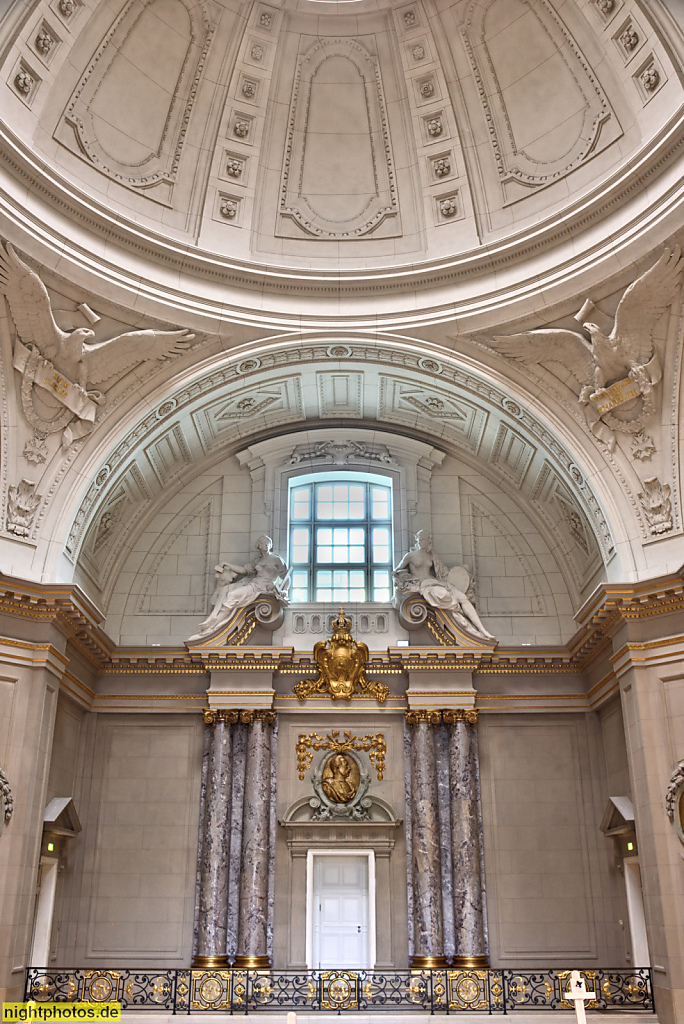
(129, 894)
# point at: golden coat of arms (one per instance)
(341, 664)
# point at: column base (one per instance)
(210, 962)
(252, 963)
(425, 963)
(471, 962)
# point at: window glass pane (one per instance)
(357, 554)
(323, 595)
(357, 578)
(340, 501)
(323, 578)
(299, 545)
(381, 551)
(357, 501)
(381, 585)
(299, 589)
(324, 494)
(340, 535)
(357, 595)
(380, 503)
(301, 498)
(356, 536)
(340, 577)
(324, 535)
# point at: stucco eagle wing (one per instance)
(109, 358)
(550, 345)
(29, 304)
(643, 304)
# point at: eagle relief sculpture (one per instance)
(617, 373)
(58, 368)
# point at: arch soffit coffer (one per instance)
(215, 414)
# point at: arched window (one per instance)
(340, 537)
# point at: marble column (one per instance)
(252, 949)
(466, 841)
(426, 861)
(212, 917)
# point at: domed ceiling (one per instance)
(338, 135)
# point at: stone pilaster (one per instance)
(426, 860)
(212, 919)
(30, 677)
(252, 950)
(466, 840)
(651, 678)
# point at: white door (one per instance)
(635, 909)
(340, 912)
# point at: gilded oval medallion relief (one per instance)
(340, 778)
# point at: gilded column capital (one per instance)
(453, 715)
(413, 717)
(267, 717)
(211, 716)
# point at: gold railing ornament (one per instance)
(375, 747)
(341, 664)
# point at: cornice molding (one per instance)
(613, 604)
(74, 204)
(80, 621)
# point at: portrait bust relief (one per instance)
(340, 783)
(340, 778)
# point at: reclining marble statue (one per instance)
(421, 572)
(238, 586)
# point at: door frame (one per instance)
(370, 855)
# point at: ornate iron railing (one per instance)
(425, 991)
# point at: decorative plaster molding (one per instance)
(7, 801)
(599, 124)
(88, 212)
(655, 501)
(673, 797)
(160, 167)
(342, 453)
(22, 505)
(464, 413)
(306, 210)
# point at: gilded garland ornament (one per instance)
(375, 747)
(341, 664)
